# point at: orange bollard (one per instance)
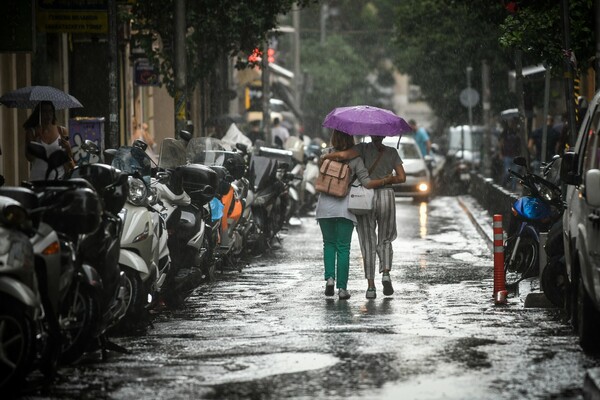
(500, 291)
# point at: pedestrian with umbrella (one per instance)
(337, 222)
(41, 126)
(376, 229)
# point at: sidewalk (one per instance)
(529, 291)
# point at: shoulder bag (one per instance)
(360, 199)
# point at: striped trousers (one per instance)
(377, 231)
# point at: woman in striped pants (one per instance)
(377, 229)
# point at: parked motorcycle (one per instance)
(185, 216)
(228, 205)
(554, 280)
(268, 195)
(21, 310)
(101, 250)
(535, 211)
(144, 254)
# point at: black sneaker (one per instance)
(388, 289)
(329, 287)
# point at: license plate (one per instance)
(465, 177)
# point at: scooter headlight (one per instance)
(16, 251)
(137, 191)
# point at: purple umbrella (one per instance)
(366, 120)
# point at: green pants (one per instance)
(337, 235)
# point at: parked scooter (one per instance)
(20, 304)
(534, 212)
(101, 250)
(184, 213)
(68, 210)
(268, 198)
(144, 255)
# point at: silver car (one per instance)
(418, 177)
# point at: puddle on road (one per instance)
(250, 368)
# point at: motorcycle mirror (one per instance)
(37, 150)
(140, 144)
(520, 161)
(162, 176)
(185, 135)
(91, 147)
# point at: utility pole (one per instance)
(487, 133)
(569, 72)
(266, 93)
(323, 20)
(111, 141)
(297, 72)
(521, 102)
(180, 68)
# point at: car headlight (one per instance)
(137, 191)
(423, 187)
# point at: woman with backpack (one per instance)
(337, 223)
(377, 229)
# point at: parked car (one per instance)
(580, 170)
(418, 175)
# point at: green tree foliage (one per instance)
(214, 28)
(436, 40)
(537, 29)
(350, 67)
(338, 75)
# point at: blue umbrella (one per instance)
(30, 96)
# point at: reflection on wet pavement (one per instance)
(268, 332)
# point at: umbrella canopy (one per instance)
(366, 120)
(30, 96)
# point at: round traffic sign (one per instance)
(469, 97)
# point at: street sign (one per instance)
(469, 97)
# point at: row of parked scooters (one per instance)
(91, 255)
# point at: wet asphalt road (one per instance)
(268, 331)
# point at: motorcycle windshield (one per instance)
(205, 150)
(172, 154)
(132, 160)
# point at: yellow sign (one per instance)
(71, 21)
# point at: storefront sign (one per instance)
(56, 16)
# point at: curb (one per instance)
(489, 241)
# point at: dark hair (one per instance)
(341, 140)
(276, 121)
(35, 117)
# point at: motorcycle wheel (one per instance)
(208, 263)
(78, 318)
(554, 282)
(17, 338)
(135, 298)
(525, 263)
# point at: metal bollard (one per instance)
(500, 291)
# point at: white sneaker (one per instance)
(343, 294)
(329, 287)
